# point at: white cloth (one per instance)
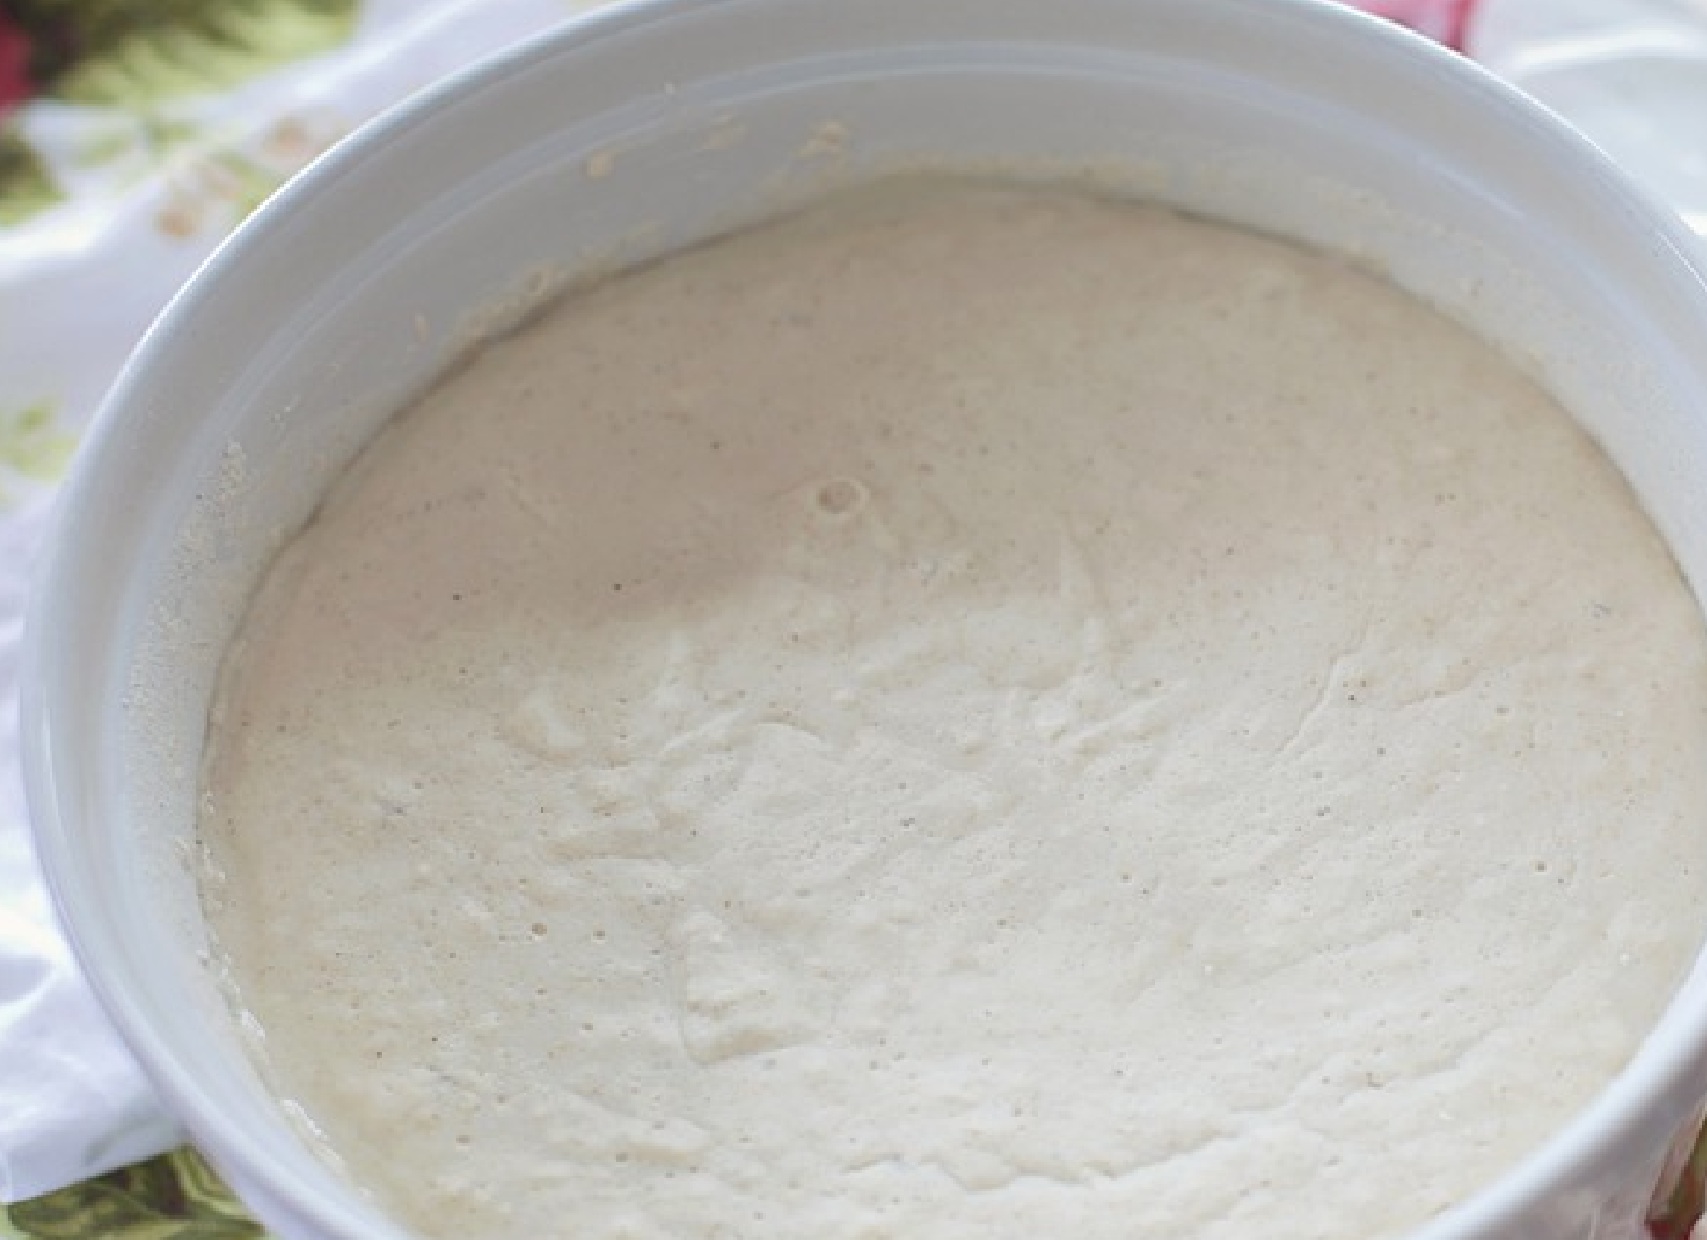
(73, 1096)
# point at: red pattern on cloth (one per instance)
(15, 85)
(1445, 20)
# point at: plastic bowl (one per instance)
(649, 126)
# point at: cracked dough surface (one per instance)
(976, 713)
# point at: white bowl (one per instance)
(655, 124)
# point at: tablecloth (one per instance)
(134, 134)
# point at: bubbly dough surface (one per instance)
(975, 714)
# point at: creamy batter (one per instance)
(975, 713)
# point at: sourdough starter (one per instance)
(970, 714)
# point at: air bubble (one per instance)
(840, 497)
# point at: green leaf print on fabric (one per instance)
(32, 444)
(173, 1197)
(25, 186)
(132, 52)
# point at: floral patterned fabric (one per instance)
(134, 134)
(173, 1197)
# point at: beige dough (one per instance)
(975, 714)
